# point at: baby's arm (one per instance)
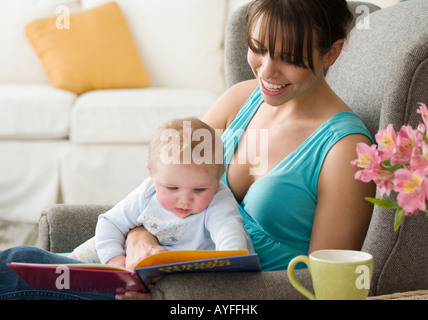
(114, 225)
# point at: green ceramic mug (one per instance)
(336, 274)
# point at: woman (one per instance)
(307, 198)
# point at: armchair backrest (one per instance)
(381, 74)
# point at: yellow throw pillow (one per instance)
(97, 51)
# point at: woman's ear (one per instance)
(334, 52)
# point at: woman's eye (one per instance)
(257, 47)
(259, 50)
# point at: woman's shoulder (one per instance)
(245, 87)
(225, 109)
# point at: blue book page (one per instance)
(244, 263)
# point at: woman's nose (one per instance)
(268, 67)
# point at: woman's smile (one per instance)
(273, 89)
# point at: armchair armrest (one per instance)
(266, 285)
(64, 227)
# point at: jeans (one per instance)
(13, 288)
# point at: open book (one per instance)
(106, 278)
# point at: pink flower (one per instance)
(384, 181)
(398, 163)
(386, 140)
(412, 189)
(423, 111)
(368, 156)
(368, 160)
(407, 140)
(419, 159)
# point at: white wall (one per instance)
(381, 3)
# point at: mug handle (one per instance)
(292, 277)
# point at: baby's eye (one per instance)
(172, 188)
(199, 189)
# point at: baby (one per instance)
(182, 203)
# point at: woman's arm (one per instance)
(140, 244)
(342, 215)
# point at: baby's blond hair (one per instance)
(178, 136)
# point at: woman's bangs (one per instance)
(293, 44)
(289, 29)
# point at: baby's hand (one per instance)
(118, 261)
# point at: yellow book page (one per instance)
(97, 266)
(168, 257)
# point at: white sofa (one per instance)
(57, 146)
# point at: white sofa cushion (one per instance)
(103, 173)
(133, 115)
(34, 111)
(180, 42)
(18, 60)
(30, 176)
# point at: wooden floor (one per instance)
(15, 233)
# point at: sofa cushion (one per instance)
(102, 173)
(34, 111)
(133, 115)
(18, 61)
(180, 42)
(96, 51)
(30, 176)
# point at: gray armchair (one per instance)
(382, 74)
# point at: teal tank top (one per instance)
(278, 209)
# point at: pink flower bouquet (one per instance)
(399, 163)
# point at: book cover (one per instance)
(106, 279)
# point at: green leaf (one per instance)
(424, 136)
(395, 167)
(399, 217)
(388, 204)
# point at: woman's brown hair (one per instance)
(296, 22)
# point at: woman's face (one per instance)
(280, 81)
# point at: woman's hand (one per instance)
(131, 292)
(118, 261)
(140, 244)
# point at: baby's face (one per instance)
(184, 189)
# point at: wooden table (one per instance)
(410, 295)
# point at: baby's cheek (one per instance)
(166, 202)
(202, 203)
